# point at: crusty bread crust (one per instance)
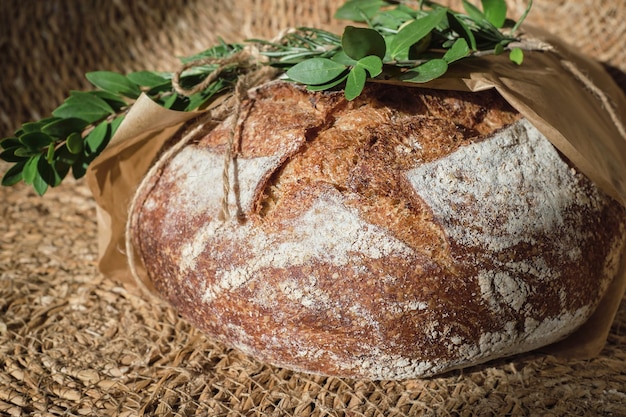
(400, 235)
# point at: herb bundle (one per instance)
(404, 40)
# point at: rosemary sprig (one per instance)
(410, 41)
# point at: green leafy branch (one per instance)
(44, 152)
(409, 41)
(408, 44)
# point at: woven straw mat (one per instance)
(72, 343)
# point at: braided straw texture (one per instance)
(74, 344)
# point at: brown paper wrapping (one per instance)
(115, 174)
(566, 107)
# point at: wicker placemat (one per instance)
(72, 343)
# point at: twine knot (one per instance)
(246, 60)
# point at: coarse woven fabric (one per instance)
(72, 343)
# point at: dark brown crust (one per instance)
(427, 301)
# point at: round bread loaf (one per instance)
(403, 234)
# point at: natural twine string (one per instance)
(250, 62)
(254, 74)
(234, 136)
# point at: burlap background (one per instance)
(74, 344)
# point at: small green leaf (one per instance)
(39, 184)
(13, 174)
(63, 155)
(116, 102)
(51, 174)
(13, 155)
(458, 50)
(355, 83)
(85, 106)
(517, 55)
(98, 138)
(341, 58)
(35, 126)
(74, 143)
(146, 78)
(25, 152)
(473, 12)
(427, 71)
(113, 82)
(47, 172)
(61, 170)
(458, 25)
(8, 143)
(329, 85)
(415, 31)
(31, 127)
(316, 71)
(30, 169)
(372, 64)
(495, 11)
(171, 101)
(50, 153)
(358, 43)
(64, 127)
(115, 124)
(498, 49)
(359, 10)
(36, 140)
(79, 169)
